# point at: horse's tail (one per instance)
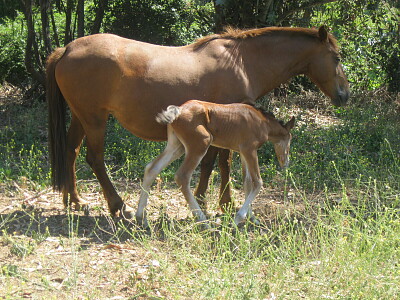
(56, 123)
(169, 115)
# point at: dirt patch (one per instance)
(45, 252)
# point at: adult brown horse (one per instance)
(105, 74)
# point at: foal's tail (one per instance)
(169, 115)
(56, 122)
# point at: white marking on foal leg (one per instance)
(252, 185)
(193, 204)
(182, 178)
(246, 208)
(173, 151)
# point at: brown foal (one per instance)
(196, 125)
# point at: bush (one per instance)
(12, 47)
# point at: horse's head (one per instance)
(282, 145)
(326, 71)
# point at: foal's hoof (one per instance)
(142, 222)
(204, 226)
(255, 221)
(127, 212)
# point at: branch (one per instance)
(309, 5)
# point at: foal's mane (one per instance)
(269, 115)
(238, 34)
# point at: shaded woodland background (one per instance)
(368, 31)
(331, 226)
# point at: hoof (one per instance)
(82, 205)
(78, 205)
(142, 222)
(127, 212)
(239, 219)
(204, 226)
(255, 221)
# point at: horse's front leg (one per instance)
(224, 163)
(206, 167)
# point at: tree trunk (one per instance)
(31, 49)
(53, 24)
(101, 7)
(68, 21)
(44, 10)
(219, 16)
(80, 11)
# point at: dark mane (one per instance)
(238, 34)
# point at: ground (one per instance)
(45, 251)
(49, 252)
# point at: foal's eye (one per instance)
(337, 59)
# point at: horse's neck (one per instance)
(278, 60)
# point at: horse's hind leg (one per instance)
(95, 127)
(206, 167)
(224, 162)
(74, 140)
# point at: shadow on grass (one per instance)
(100, 228)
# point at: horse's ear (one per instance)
(323, 33)
(289, 125)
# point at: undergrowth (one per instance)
(334, 233)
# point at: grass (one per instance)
(330, 223)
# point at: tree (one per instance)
(262, 13)
(101, 7)
(33, 61)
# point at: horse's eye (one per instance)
(337, 59)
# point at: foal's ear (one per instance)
(323, 33)
(289, 125)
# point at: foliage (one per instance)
(167, 22)
(9, 10)
(369, 37)
(12, 43)
(367, 30)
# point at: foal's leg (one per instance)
(74, 140)
(195, 151)
(247, 186)
(173, 151)
(95, 130)
(252, 183)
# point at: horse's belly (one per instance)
(142, 125)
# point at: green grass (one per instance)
(334, 233)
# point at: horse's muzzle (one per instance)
(341, 98)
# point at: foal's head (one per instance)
(281, 137)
